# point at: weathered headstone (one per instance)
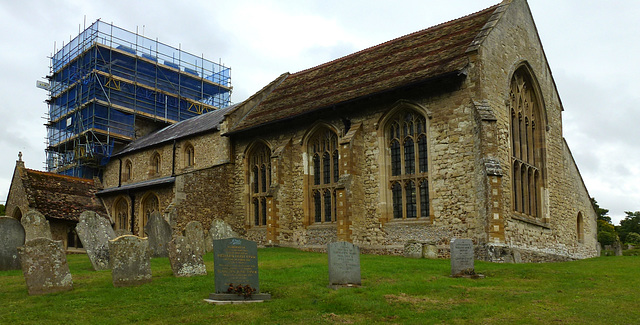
(122, 232)
(344, 264)
(159, 233)
(95, 232)
(195, 235)
(185, 259)
(617, 246)
(35, 225)
(462, 257)
(236, 266)
(413, 249)
(219, 230)
(44, 265)
(430, 250)
(11, 237)
(130, 261)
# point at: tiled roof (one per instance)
(404, 61)
(202, 123)
(59, 196)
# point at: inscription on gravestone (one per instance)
(44, 265)
(344, 264)
(95, 232)
(194, 233)
(11, 237)
(461, 257)
(235, 261)
(159, 233)
(130, 261)
(35, 226)
(185, 259)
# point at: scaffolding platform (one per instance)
(109, 86)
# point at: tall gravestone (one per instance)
(95, 232)
(194, 233)
(159, 234)
(236, 265)
(344, 264)
(462, 258)
(185, 259)
(35, 226)
(130, 261)
(44, 265)
(219, 230)
(11, 237)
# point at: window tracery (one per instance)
(323, 148)
(408, 155)
(260, 181)
(526, 139)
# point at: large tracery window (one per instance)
(150, 204)
(409, 181)
(526, 146)
(323, 148)
(260, 181)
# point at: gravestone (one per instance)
(122, 232)
(462, 257)
(430, 250)
(413, 249)
(194, 233)
(44, 265)
(236, 265)
(185, 259)
(11, 237)
(35, 225)
(219, 230)
(344, 264)
(130, 261)
(159, 234)
(95, 232)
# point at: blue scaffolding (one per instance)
(109, 86)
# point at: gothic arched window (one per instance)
(323, 148)
(155, 164)
(526, 146)
(150, 204)
(259, 182)
(127, 171)
(121, 213)
(189, 157)
(406, 135)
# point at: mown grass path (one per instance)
(604, 290)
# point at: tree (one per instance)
(607, 234)
(633, 238)
(600, 212)
(630, 223)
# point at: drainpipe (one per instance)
(120, 172)
(133, 209)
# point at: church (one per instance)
(454, 131)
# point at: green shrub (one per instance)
(631, 252)
(633, 238)
(607, 238)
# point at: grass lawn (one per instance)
(602, 290)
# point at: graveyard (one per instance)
(393, 289)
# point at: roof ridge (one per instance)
(72, 178)
(372, 48)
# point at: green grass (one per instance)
(603, 290)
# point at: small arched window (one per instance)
(155, 164)
(150, 204)
(189, 157)
(259, 182)
(127, 171)
(580, 228)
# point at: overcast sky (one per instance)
(592, 46)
